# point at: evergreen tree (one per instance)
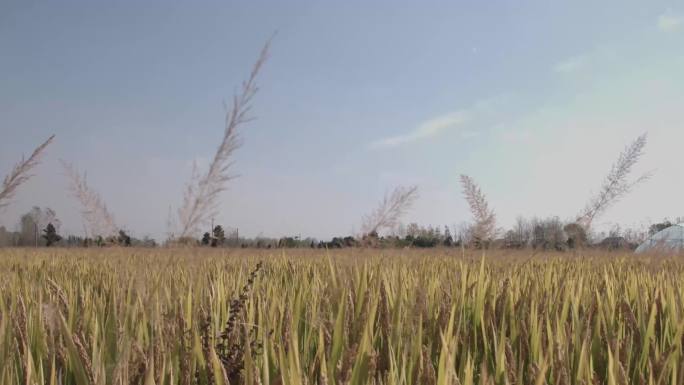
(50, 235)
(206, 239)
(123, 239)
(657, 227)
(219, 236)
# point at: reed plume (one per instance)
(616, 185)
(21, 173)
(393, 206)
(99, 220)
(200, 199)
(485, 220)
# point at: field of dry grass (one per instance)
(190, 316)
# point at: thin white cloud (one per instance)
(514, 136)
(425, 130)
(572, 64)
(669, 22)
(469, 134)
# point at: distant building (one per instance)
(670, 239)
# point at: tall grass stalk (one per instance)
(20, 173)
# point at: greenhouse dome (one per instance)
(670, 239)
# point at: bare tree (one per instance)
(464, 233)
(616, 185)
(21, 173)
(484, 228)
(31, 224)
(548, 234)
(100, 222)
(201, 193)
(388, 214)
(522, 231)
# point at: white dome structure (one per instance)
(670, 239)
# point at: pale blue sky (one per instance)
(532, 99)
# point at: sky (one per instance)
(533, 99)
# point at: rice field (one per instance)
(198, 316)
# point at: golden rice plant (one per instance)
(186, 316)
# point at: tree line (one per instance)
(41, 227)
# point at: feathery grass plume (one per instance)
(485, 219)
(392, 207)
(94, 211)
(202, 192)
(616, 185)
(20, 173)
